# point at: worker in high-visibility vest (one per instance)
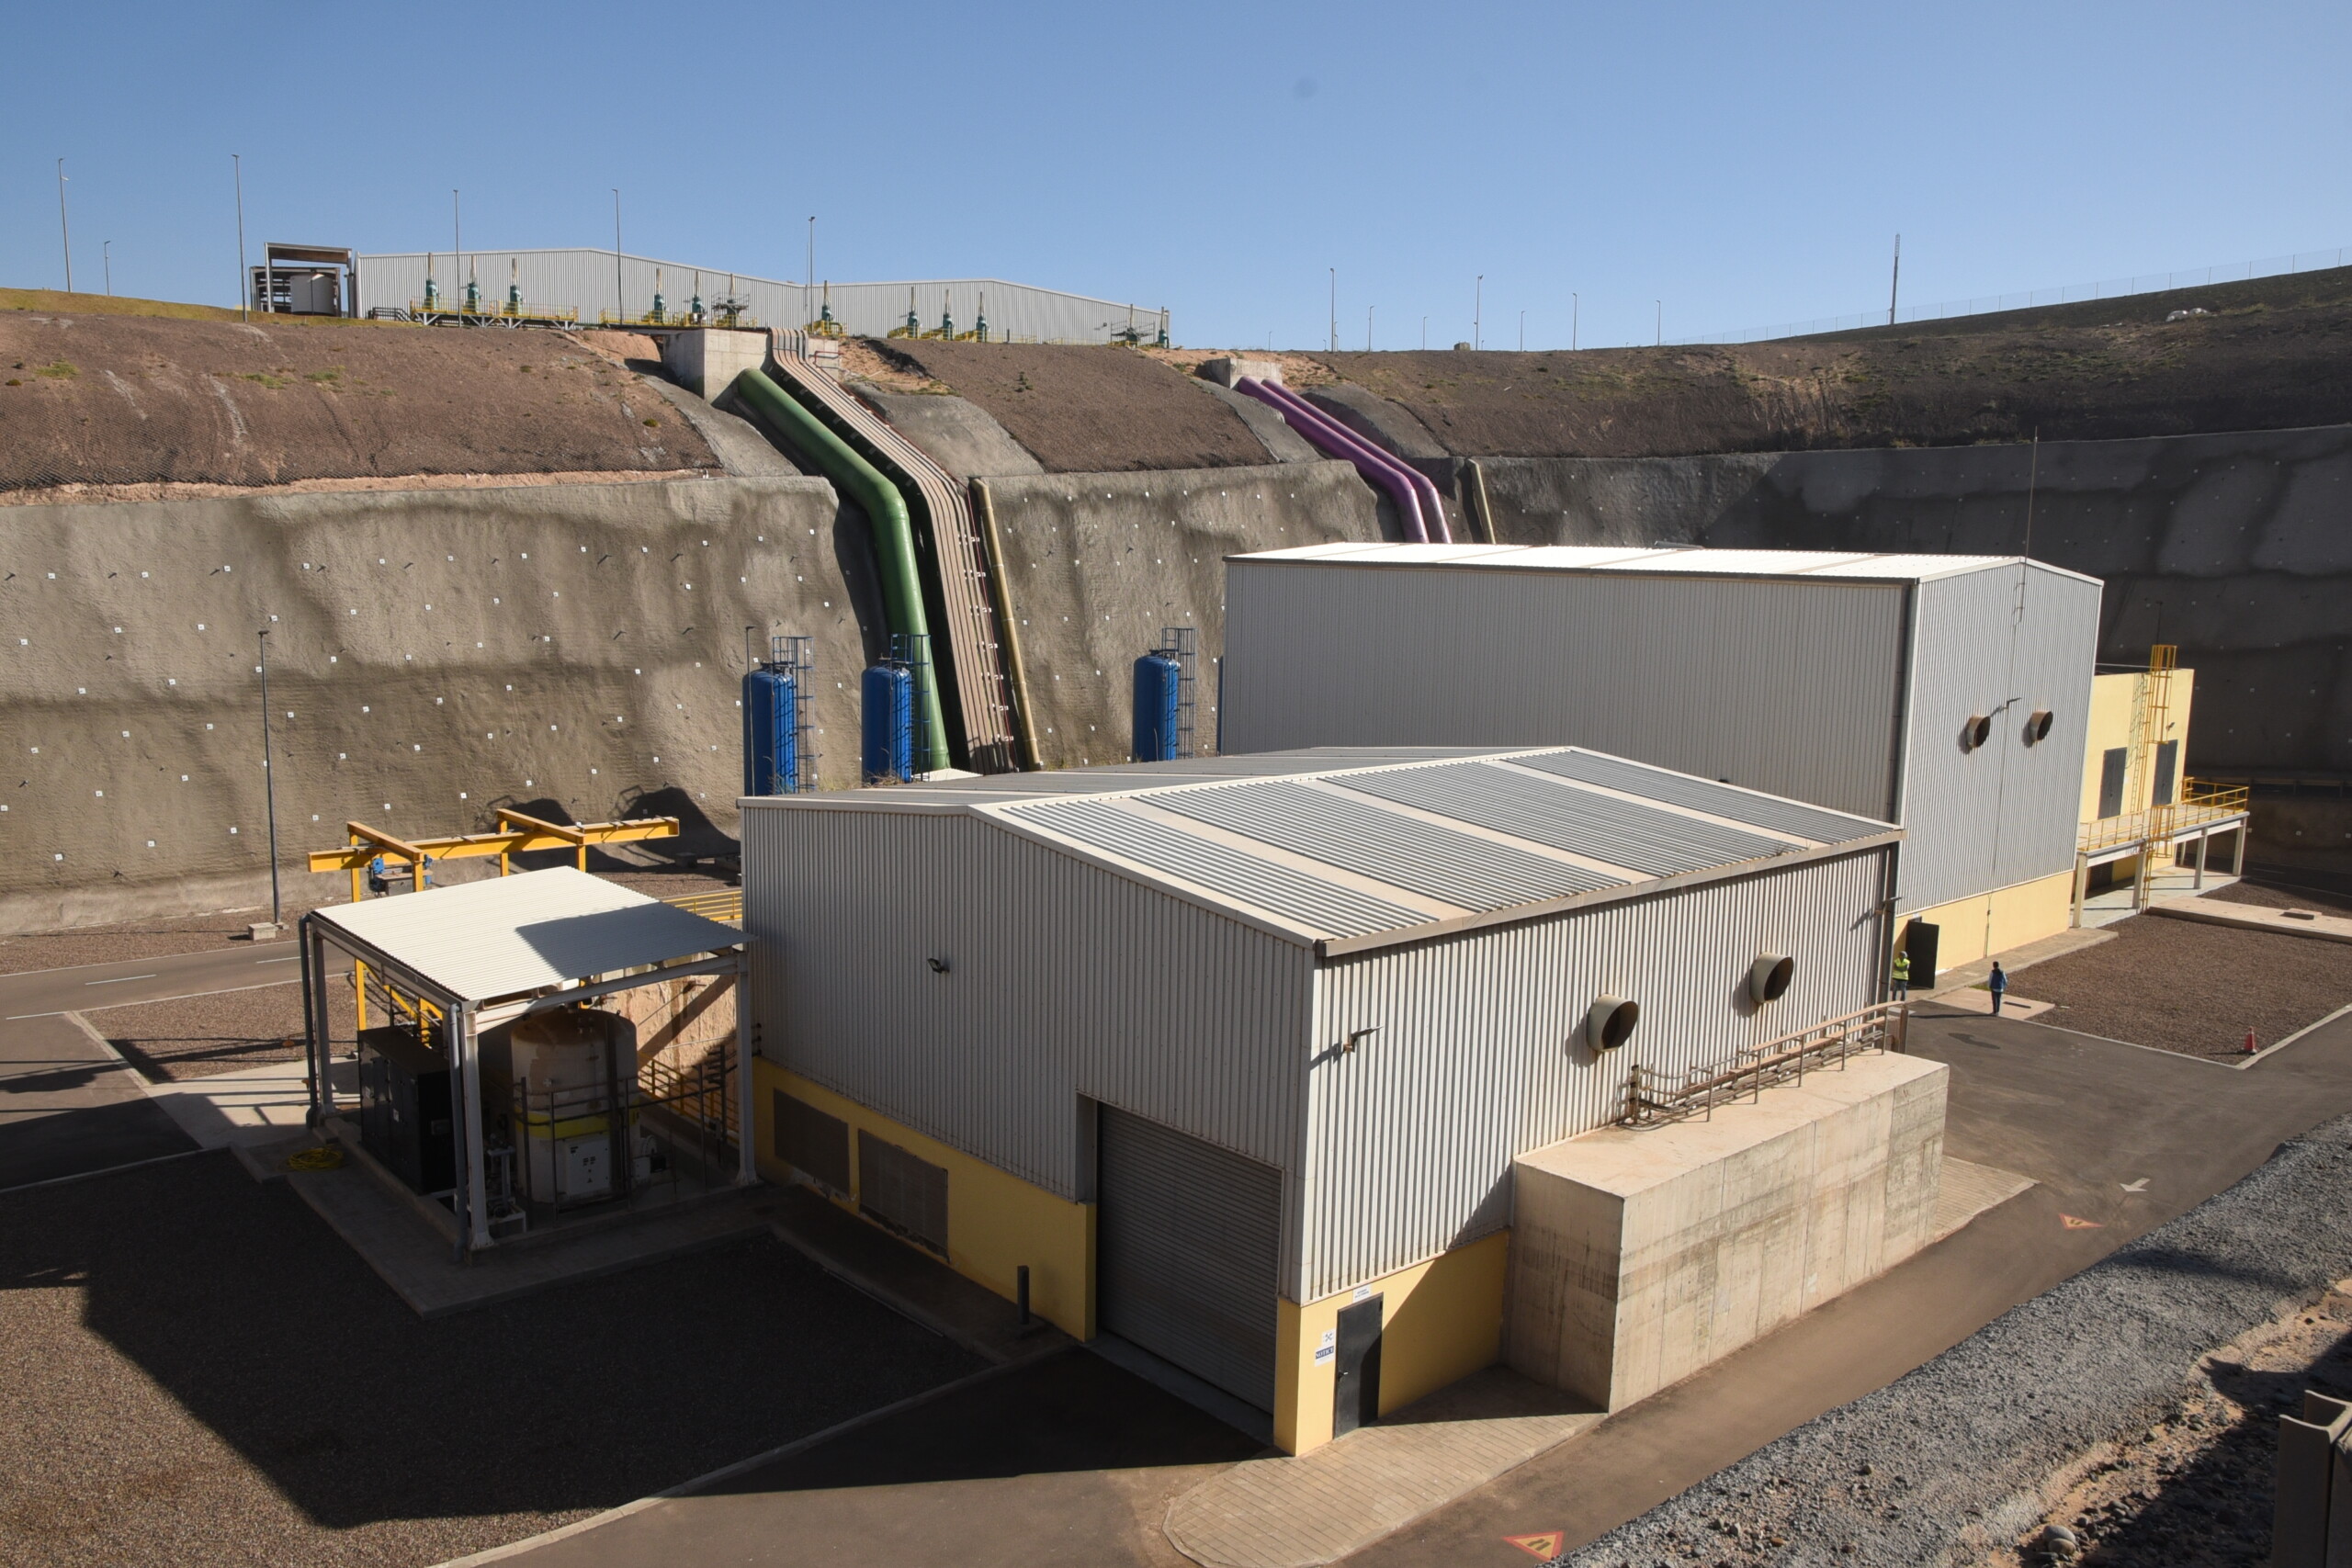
(1902, 986)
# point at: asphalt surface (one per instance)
(2120, 1139)
(70, 1106)
(46, 992)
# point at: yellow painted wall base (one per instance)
(1440, 1322)
(996, 1222)
(1971, 929)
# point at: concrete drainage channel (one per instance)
(1948, 1462)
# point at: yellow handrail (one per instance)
(726, 906)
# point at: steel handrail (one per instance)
(1651, 1098)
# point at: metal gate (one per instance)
(1188, 1242)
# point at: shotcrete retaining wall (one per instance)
(1096, 564)
(2238, 548)
(433, 654)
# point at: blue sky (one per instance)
(1746, 166)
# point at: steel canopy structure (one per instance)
(485, 954)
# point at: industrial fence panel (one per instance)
(597, 287)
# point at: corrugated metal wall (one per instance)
(1410, 1136)
(1062, 982)
(1789, 687)
(2006, 812)
(584, 280)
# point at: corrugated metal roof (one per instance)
(511, 935)
(1470, 837)
(1580, 821)
(1315, 904)
(1358, 836)
(1679, 560)
(1769, 812)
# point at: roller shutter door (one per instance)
(1188, 1241)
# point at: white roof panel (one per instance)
(1679, 560)
(511, 935)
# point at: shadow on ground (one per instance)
(197, 1368)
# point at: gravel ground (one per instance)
(2193, 988)
(1948, 1462)
(195, 1370)
(2281, 898)
(2197, 1486)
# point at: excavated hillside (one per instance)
(2268, 354)
(99, 399)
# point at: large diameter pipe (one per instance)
(1424, 488)
(894, 538)
(1336, 439)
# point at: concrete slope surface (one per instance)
(1946, 1460)
(127, 399)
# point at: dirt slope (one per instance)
(129, 400)
(1083, 410)
(2271, 355)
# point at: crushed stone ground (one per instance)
(1948, 1463)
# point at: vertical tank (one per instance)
(888, 723)
(771, 731)
(1160, 681)
(574, 1076)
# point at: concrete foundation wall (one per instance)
(564, 650)
(1640, 1256)
(1096, 564)
(2234, 546)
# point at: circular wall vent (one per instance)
(1768, 976)
(1610, 1023)
(1975, 732)
(2037, 725)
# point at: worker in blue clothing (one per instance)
(1998, 985)
(376, 884)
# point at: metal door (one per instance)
(1355, 1384)
(1188, 1240)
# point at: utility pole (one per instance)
(811, 289)
(1522, 331)
(65, 231)
(105, 256)
(270, 785)
(1335, 310)
(620, 303)
(1661, 321)
(457, 228)
(1895, 289)
(244, 281)
(1425, 334)
(1479, 314)
(1575, 312)
(1367, 329)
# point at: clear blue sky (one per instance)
(1746, 165)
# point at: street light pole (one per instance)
(811, 287)
(620, 303)
(1479, 314)
(1894, 285)
(105, 256)
(1335, 310)
(63, 230)
(1522, 331)
(1661, 321)
(244, 283)
(1575, 312)
(269, 783)
(1367, 329)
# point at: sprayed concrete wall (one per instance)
(1097, 564)
(562, 649)
(2238, 548)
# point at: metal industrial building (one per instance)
(1950, 694)
(1215, 1048)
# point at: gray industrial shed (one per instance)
(1850, 681)
(1320, 999)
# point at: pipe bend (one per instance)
(1337, 441)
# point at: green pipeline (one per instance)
(894, 538)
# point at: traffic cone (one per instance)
(2249, 1041)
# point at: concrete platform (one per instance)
(410, 1241)
(2254, 918)
(2168, 884)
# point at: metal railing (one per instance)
(2201, 805)
(1654, 1098)
(726, 904)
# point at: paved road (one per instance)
(2120, 1139)
(68, 1105)
(46, 992)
